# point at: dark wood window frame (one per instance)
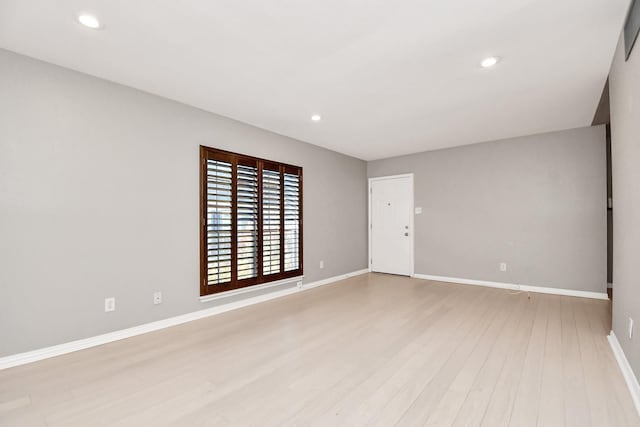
(212, 154)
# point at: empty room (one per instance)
(319, 213)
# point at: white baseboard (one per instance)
(515, 287)
(627, 372)
(69, 347)
(334, 279)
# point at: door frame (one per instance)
(411, 216)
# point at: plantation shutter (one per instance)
(291, 221)
(247, 221)
(251, 213)
(271, 220)
(219, 221)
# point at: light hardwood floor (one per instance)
(371, 350)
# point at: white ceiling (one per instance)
(388, 77)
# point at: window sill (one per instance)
(249, 289)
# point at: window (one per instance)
(251, 221)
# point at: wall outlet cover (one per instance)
(157, 297)
(109, 304)
(503, 266)
(418, 211)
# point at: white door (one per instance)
(391, 234)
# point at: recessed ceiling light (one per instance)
(316, 117)
(89, 21)
(489, 62)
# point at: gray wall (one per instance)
(624, 86)
(99, 197)
(537, 203)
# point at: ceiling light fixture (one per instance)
(89, 21)
(316, 117)
(489, 62)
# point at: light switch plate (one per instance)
(418, 211)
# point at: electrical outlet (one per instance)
(321, 264)
(157, 297)
(503, 266)
(630, 328)
(418, 210)
(299, 284)
(109, 304)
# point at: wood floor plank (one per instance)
(551, 406)
(388, 404)
(526, 405)
(454, 397)
(608, 395)
(370, 350)
(593, 375)
(498, 411)
(334, 407)
(479, 395)
(576, 403)
(392, 348)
